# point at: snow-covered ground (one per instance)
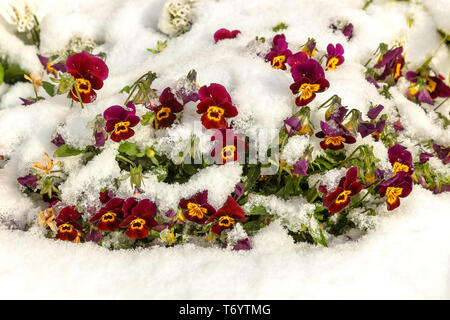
(407, 255)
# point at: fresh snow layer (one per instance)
(406, 256)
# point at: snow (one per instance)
(407, 257)
(405, 253)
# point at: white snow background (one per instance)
(407, 255)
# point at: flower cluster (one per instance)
(176, 17)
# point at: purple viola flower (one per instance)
(50, 67)
(398, 126)
(100, 138)
(28, 181)
(279, 52)
(400, 159)
(292, 125)
(348, 31)
(239, 190)
(338, 115)
(297, 58)
(392, 61)
(335, 136)
(399, 186)
(301, 166)
(170, 214)
(223, 33)
(443, 153)
(119, 121)
(379, 174)
(335, 56)
(27, 102)
(243, 244)
(425, 156)
(309, 78)
(366, 128)
(58, 141)
(373, 81)
(444, 188)
(374, 112)
(94, 236)
(424, 96)
(437, 87)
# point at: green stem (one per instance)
(341, 164)
(326, 102)
(120, 157)
(79, 96)
(441, 104)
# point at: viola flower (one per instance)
(437, 87)
(309, 78)
(379, 128)
(165, 113)
(366, 128)
(297, 58)
(68, 227)
(398, 126)
(28, 181)
(348, 186)
(227, 216)
(393, 62)
(58, 141)
(292, 125)
(47, 219)
(310, 48)
(89, 73)
(108, 218)
(139, 217)
(335, 56)
(223, 33)
(348, 31)
(239, 190)
(279, 52)
(105, 196)
(228, 147)
(400, 159)
(50, 66)
(300, 167)
(215, 105)
(243, 244)
(196, 208)
(425, 156)
(375, 111)
(45, 165)
(334, 138)
(93, 236)
(119, 121)
(373, 81)
(35, 79)
(397, 187)
(442, 152)
(26, 102)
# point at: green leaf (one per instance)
(13, 74)
(2, 73)
(125, 89)
(252, 176)
(189, 169)
(258, 210)
(49, 88)
(280, 26)
(67, 151)
(129, 149)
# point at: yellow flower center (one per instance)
(163, 113)
(277, 62)
(83, 85)
(414, 89)
(398, 71)
(226, 221)
(215, 113)
(137, 224)
(335, 141)
(393, 193)
(121, 126)
(228, 152)
(431, 85)
(343, 196)
(331, 65)
(195, 210)
(109, 216)
(66, 227)
(306, 90)
(400, 167)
